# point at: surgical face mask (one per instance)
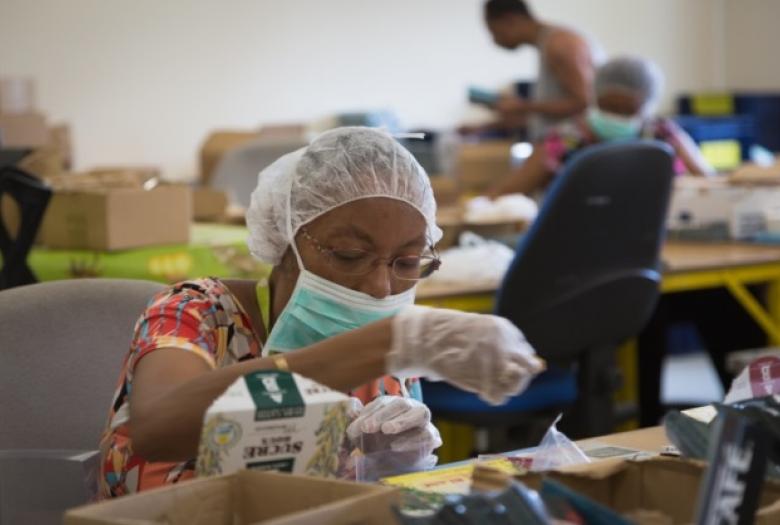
(319, 309)
(609, 126)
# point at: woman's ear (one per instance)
(288, 265)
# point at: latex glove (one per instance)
(485, 354)
(404, 422)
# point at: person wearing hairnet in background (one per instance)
(348, 224)
(627, 90)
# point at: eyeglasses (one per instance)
(355, 261)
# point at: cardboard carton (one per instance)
(481, 164)
(649, 489)
(247, 498)
(23, 130)
(274, 420)
(216, 145)
(209, 204)
(112, 210)
(17, 95)
(60, 139)
(44, 163)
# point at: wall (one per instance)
(752, 60)
(143, 81)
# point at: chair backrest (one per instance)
(61, 348)
(587, 272)
(236, 173)
(32, 196)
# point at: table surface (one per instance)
(678, 257)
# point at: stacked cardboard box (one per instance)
(23, 126)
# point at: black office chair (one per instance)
(32, 196)
(584, 278)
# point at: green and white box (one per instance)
(274, 420)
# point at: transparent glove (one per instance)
(484, 354)
(404, 423)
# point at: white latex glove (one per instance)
(485, 354)
(402, 423)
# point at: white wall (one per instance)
(752, 58)
(143, 81)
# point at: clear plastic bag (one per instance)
(374, 459)
(556, 451)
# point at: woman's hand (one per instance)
(397, 424)
(480, 353)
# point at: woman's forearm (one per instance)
(167, 426)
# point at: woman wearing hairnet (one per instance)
(348, 224)
(627, 90)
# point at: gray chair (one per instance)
(236, 173)
(61, 349)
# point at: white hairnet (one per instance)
(635, 75)
(338, 167)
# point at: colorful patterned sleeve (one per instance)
(179, 317)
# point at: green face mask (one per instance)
(320, 309)
(608, 126)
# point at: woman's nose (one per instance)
(378, 282)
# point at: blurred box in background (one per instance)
(480, 164)
(718, 209)
(216, 145)
(116, 208)
(208, 204)
(23, 130)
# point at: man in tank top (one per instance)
(567, 61)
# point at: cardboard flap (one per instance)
(596, 470)
(267, 495)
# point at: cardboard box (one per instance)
(274, 420)
(446, 190)
(283, 132)
(665, 486)
(23, 130)
(111, 211)
(17, 95)
(481, 164)
(44, 163)
(209, 204)
(216, 145)
(60, 139)
(247, 498)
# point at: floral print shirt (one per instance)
(203, 317)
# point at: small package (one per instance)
(275, 420)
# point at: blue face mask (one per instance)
(319, 309)
(608, 126)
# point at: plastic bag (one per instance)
(514, 207)
(476, 259)
(374, 459)
(556, 451)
